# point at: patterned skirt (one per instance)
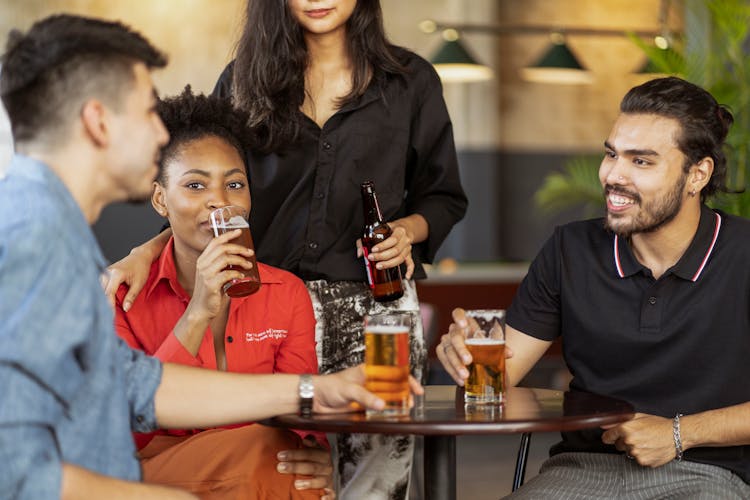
(368, 466)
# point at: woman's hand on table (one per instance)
(312, 464)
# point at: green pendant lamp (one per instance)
(454, 63)
(557, 65)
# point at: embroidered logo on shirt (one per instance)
(267, 334)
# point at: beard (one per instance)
(651, 216)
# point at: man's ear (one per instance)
(700, 174)
(93, 116)
(158, 200)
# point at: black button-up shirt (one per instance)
(306, 206)
(679, 344)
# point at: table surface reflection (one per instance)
(442, 412)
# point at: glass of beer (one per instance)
(228, 219)
(486, 343)
(387, 361)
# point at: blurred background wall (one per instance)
(509, 133)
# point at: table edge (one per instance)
(437, 428)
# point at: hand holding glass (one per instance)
(486, 343)
(227, 219)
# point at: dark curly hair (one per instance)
(189, 117)
(704, 122)
(62, 61)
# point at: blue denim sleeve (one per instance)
(29, 453)
(38, 376)
(142, 378)
(44, 319)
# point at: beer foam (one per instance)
(386, 329)
(490, 315)
(236, 222)
(484, 341)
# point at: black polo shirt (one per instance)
(679, 344)
(306, 204)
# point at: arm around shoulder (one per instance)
(133, 269)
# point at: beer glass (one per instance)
(486, 343)
(387, 361)
(228, 219)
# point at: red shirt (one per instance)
(272, 330)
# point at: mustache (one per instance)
(609, 188)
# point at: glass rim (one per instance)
(470, 312)
(219, 217)
(237, 207)
(393, 316)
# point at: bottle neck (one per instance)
(371, 209)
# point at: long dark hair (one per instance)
(270, 62)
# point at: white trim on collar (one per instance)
(618, 264)
(710, 248)
(697, 274)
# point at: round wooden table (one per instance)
(441, 416)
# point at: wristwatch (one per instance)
(306, 392)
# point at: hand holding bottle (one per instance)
(385, 282)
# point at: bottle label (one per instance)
(368, 267)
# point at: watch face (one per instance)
(306, 392)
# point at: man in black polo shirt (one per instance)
(653, 306)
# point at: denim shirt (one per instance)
(70, 389)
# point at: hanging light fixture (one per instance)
(453, 62)
(557, 65)
(662, 59)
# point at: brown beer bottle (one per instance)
(384, 283)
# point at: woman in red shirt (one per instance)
(184, 317)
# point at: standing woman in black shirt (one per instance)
(335, 104)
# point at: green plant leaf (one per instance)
(577, 185)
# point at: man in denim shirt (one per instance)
(79, 96)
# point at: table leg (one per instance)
(440, 467)
(523, 454)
